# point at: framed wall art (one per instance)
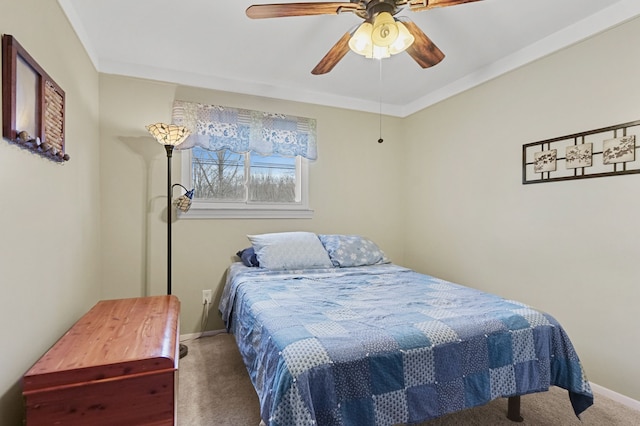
(33, 105)
(608, 151)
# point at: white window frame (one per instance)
(203, 209)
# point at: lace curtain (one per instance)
(215, 127)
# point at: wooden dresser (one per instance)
(117, 365)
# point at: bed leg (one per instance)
(513, 410)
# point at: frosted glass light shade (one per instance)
(360, 42)
(168, 134)
(380, 52)
(385, 30)
(404, 40)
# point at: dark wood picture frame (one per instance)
(31, 99)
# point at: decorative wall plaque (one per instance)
(602, 152)
(32, 104)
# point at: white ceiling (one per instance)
(213, 44)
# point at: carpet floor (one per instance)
(214, 389)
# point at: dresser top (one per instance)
(115, 338)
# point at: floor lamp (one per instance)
(171, 136)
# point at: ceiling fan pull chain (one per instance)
(380, 140)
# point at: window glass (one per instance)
(218, 175)
(245, 185)
(272, 179)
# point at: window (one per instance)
(244, 163)
(245, 185)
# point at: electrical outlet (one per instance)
(206, 297)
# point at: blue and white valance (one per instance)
(215, 127)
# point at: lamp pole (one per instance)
(169, 149)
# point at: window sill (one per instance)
(210, 213)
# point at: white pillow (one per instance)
(290, 250)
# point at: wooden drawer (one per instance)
(116, 366)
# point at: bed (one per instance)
(356, 340)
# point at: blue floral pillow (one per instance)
(290, 250)
(352, 250)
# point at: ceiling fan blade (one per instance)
(423, 51)
(261, 11)
(418, 5)
(333, 56)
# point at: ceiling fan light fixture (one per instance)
(385, 37)
(385, 30)
(404, 40)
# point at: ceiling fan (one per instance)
(380, 35)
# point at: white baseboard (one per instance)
(192, 336)
(618, 397)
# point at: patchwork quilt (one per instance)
(385, 345)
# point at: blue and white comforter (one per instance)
(384, 345)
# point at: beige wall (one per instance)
(569, 248)
(353, 189)
(442, 195)
(50, 243)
